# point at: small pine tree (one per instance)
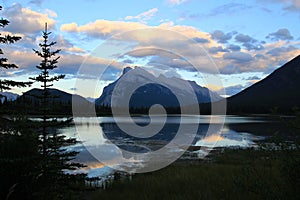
(8, 39)
(49, 61)
(54, 182)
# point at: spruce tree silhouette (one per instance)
(49, 61)
(6, 84)
(54, 181)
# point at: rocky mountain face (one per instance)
(150, 90)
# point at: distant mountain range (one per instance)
(59, 102)
(58, 95)
(154, 90)
(9, 96)
(90, 99)
(280, 91)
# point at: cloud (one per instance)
(244, 54)
(249, 42)
(281, 50)
(228, 9)
(93, 66)
(289, 5)
(65, 45)
(281, 34)
(27, 21)
(67, 64)
(29, 42)
(233, 47)
(102, 28)
(215, 50)
(239, 62)
(176, 2)
(170, 63)
(201, 40)
(73, 89)
(177, 39)
(36, 2)
(230, 69)
(238, 57)
(128, 61)
(259, 56)
(222, 37)
(242, 38)
(143, 17)
(234, 89)
(172, 73)
(251, 78)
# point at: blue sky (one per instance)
(247, 40)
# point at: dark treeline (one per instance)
(30, 106)
(34, 158)
(251, 108)
(27, 172)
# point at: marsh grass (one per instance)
(233, 174)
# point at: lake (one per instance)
(102, 139)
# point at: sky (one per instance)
(218, 44)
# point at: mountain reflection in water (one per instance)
(103, 135)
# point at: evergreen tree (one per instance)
(49, 61)
(8, 39)
(19, 159)
(54, 181)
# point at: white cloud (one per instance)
(26, 21)
(290, 5)
(102, 28)
(229, 57)
(67, 64)
(148, 41)
(176, 2)
(143, 17)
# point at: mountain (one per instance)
(9, 95)
(59, 96)
(154, 90)
(60, 102)
(90, 99)
(278, 91)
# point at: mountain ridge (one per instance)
(60, 102)
(279, 90)
(154, 90)
(10, 96)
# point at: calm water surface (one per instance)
(102, 135)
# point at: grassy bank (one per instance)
(234, 174)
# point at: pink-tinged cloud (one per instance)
(68, 63)
(253, 55)
(102, 28)
(26, 21)
(230, 58)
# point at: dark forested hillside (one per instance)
(60, 102)
(279, 91)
